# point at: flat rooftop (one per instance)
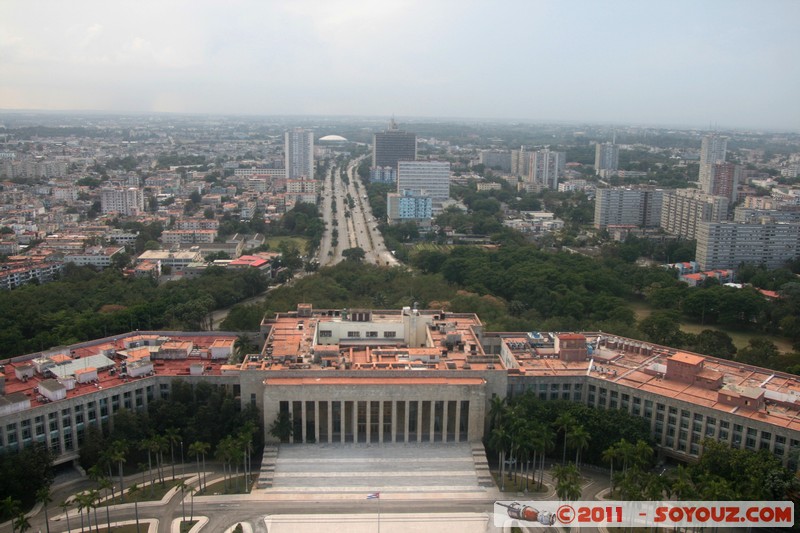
(111, 352)
(444, 341)
(639, 365)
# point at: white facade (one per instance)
(712, 150)
(546, 167)
(684, 209)
(606, 158)
(128, 201)
(425, 178)
(620, 206)
(299, 153)
(728, 244)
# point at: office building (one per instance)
(425, 178)
(606, 159)
(546, 167)
(409, 207)
(712, 150)
(684, 209)
(128, 201)
(729, 244)
(299, 147)
(628, 206)
(495, 160)
(393, 145)
(400, 376)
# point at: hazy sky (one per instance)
(674, 62)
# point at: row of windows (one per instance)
(327, 333)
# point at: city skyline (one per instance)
(682, 63)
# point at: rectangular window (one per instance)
(325, 333)
(389, 334)
(372, 334)
(353, 334)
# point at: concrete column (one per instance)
(394, 421)
(342, 418)
(291, 417)
(458, 420)
(330, 421)
(444, 420)
(369, 420)
(304, 418)
(419, 421)
(316, 422)
(380, 421)
(433, 421)
(355, 421)
(405, 421)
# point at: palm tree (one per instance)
(610, 455)
(21, 522)
(81, 500)
(173, 437)
(499, 440)
(11, 509)
(134, 493)
(182, 485)
(105, 484)
(65, 507)
(160, 446)
(118, 450)
(43, 496)
(147, 445)
(199, 449)
(579, 439)
(564, 423)
(547, 442)
(497, 411)
(93, 499)
(568, 482)
(682, 485)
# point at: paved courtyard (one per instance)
(387, 468)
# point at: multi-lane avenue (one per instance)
(349, 222)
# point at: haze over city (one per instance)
(701, 64)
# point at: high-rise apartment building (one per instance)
(626, 206)
(495, 159)
(299, 147)
(425, 178)
(520, 162)
(128, 201)
(729, 244)
(684, 209)
(724, 180)
(546, 167)
(393, 145)
(606, 159)
(712, 150)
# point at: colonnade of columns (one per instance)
(378, 421)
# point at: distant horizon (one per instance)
(401, 119)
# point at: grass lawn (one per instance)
(300, 242)
(740, 338)
(519, 486)
(234, 486)
(187, 525)
(129, 528)
(146, 492)
(431, 247)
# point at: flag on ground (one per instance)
(374, 496)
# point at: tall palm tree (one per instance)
(160, 445)
(564, 423)
(579, 439)
(147, 445)
(64, 505)
(21, 522)
(173, 437)
(682, 484)
(497, 411)
(198, 449)
(11, 509)
(134, 494)
(568, 482)
(182, 485)
(610, 455)
(499, 440)
(105, 485)
(119, 449)
(547, 440)
(44, 497)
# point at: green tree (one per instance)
(118, 452)
(134, 494)
(759, 351)
(200, 449)
(353, 254)
(568, 482)
(44, 497)
(282, 427)
(662, 327)
(714, 343)
(565, 423)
